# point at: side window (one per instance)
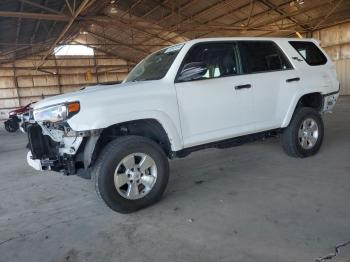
(220, 58)
(310, 52)
(262, 56)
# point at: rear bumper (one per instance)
(329, 101)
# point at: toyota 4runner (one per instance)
(216, 92)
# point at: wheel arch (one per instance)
(150, 128)
(313, 100)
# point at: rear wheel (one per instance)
(304, 135)
(131, 173)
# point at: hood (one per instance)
(21, 109)
(90, 91)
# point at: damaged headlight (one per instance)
(56, 113)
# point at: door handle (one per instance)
(243, 86)
(296, 79)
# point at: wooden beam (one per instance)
(108, 52)
(340, 14)
(314, 5)
(328, 14)
(240, 20)
(37, 26)
(154, 9)
(131, 8)
(62, 67)
(281, 12)
(118, 42)
(18, 25)
(35, 16)
(117, 22)
(208, 9)
(181, 8)
(162, 4)
(144, 29)
(37, 57)
(190, 28)
(96, 70)
(53, 26)
(274, 19)
(43, 7)
(251, 9)
(66, 28)
(69, 7)
(15, 80)
(174, 28)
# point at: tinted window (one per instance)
(310, 52)
(220, 58)
(155, 66)
(262, 56)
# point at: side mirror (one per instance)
(192, 71)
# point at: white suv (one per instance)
(216, 92)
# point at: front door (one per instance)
(219, 105)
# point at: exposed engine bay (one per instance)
(55, 147)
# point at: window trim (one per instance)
(239, 60)
(269, 71)
(236, 51)
(319, 49)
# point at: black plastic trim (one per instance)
(226, 143)
(295, 79)
(238, 61)
(332, 93)
(304, 59)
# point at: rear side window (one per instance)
(310, 52)
(262, 56)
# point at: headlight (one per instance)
(56, 113)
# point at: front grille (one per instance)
(41, 146)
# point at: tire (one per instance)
(11, 125)
(112, 157)
(299, 143)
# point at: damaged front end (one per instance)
(51, 149)
(53, 144)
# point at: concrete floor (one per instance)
(249, 203)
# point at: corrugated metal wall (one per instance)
(336, 42)
(343, 73)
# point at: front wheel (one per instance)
(304, 135)
(131, 173)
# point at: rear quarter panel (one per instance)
(314, 79)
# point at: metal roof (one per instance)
(131, 29)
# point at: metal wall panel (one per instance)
(343, 72)
(336, 42)
(21, 83)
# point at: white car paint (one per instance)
(198, 112)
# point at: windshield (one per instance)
(154, 66)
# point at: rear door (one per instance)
(271, 76)
(219, 105)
